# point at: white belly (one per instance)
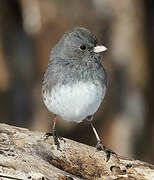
(76, 102)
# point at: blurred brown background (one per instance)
(28, 31)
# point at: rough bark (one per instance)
(29, 155)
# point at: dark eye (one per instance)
(83, 47)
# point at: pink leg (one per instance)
(53, 133)
(54, 122)
(100, 145)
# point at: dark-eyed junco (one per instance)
(75, 82)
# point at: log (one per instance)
(26, 154)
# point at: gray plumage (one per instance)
(69, 64)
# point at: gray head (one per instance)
(78, 44)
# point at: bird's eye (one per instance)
(83, 47)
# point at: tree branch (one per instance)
(28, 155)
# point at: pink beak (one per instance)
(99, 48)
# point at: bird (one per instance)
(75, 82)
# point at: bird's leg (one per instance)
(95, 132)
(100, 145)
(55, 137)
(53, 133)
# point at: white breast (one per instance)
(76, 102)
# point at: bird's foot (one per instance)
(108, 152)
(55, 137)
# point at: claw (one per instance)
(48, 134)
(55, 137)
(107, 151)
